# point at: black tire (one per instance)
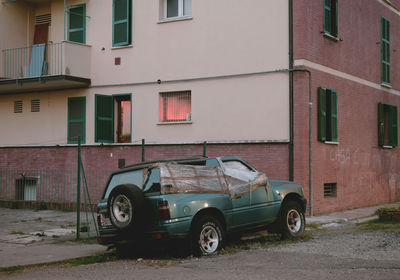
(292, 221)
(208, 236)
(125, 207)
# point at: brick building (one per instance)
(249, 80)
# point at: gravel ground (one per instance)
(342, 252)
(350, 242)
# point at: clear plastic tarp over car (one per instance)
(179, 178)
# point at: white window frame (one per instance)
(180, 11)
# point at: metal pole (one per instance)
(78, 191)
(64, 18)
(143, 143)
(205, 149)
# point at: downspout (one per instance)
(65, 5)
(291, 114)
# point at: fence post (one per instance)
(205, 149)
(78, 191)
(143, 143)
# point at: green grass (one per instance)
(379, 225)
(17, 232)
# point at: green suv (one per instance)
(200, 199)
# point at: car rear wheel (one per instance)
(292, 220)
(208, 236)
(125, 204)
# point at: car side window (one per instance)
(238, 170)
(152, 181)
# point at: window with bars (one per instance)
(327, 115)
(18, 106)
(385, 51)
(77, 23)
(35, 105)
(76, 119)
(177, 8)
(387, 125)
(175, 106)
(331, 17)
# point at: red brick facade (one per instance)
(365, 173)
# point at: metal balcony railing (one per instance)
(65, 58)
(34, 61)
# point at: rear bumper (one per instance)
(168, 230)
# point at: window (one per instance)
(113, 118)
(327, 115)
(385, 51)
(18, 106)
(77, 23)
(76, 119)
(35, 105)
(387, 125)
(177, 8)
(122, 22)
(331, 17)
(330, 190)
(175, 106)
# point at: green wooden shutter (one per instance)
(77, 23)
(381, 124)
(122, 22)
(333, 116)
(321, 114)
(76, 119)
(385, 50)
(327, 16)
(335, 18)
(392, 126)
(104, 120)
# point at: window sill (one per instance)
(122, 47)
(331, 142)
(387, 147)
(168, 123)
(330, 37)
(386, 85)
(165, 20)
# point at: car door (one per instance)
(238, 177)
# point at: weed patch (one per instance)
(379, 225)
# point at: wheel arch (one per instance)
(296, 198)
(213, 212)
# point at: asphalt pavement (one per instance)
(30, 237)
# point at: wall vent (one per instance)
(41, 19)
(18, 106)
(330, 190)
(35, 105)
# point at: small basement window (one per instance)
(330, 190)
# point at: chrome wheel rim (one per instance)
(293, 221)
(209, 239)
(122, 209)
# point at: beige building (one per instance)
(167, 71)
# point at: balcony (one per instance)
(45, 67)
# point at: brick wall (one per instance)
(365, 173)
(269, 158)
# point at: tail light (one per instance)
(99, 220)
(163, 210)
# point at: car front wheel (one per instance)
(208, 236)
(292, 220)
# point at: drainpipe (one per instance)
(65, 5)
(291, 113)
